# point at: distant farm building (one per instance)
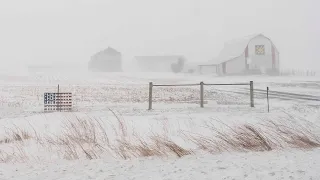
(108, 60)
(199, 68)
(253, 54)
(207, 68)
(160, 63)
(191, 67)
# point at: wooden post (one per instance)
(150, 95)
(251, 94)
(201, 94)
(268, 98)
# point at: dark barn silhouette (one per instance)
(108, 60)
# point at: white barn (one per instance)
(253, 54)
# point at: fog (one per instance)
(70, 31)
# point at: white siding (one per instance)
(236, 65)
(260, 61)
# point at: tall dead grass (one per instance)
(266, 136)
(17, 154)
(158, 145)
(14, 135)
(88, 138)
(81, 137)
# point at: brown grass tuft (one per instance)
(14, 135)
(170, 146)
(81, 137)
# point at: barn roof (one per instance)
(235, 48)
(108, 50)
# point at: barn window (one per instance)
(260, 50)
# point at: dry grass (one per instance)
(81, 137)
(126, 149)
(170, 146)
(242, 138)
(302, 136)
(267, 136)
(14, 135)
(17, 154)
(158, 146)
(88, 138)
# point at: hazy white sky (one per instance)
(72, 30)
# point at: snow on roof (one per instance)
(235, 48)
(108, 50)
(111, 51)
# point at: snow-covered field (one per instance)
(106, 135)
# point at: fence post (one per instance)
(150, 95)
(201, 94)
(268, 98)
(251, 94)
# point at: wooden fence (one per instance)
(201, 92)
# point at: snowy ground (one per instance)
(175, 110)
(272, 165)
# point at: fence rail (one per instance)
(201, 84)
(167, 85)
(241, 84)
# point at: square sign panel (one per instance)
(57, 101)
(260, 50)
